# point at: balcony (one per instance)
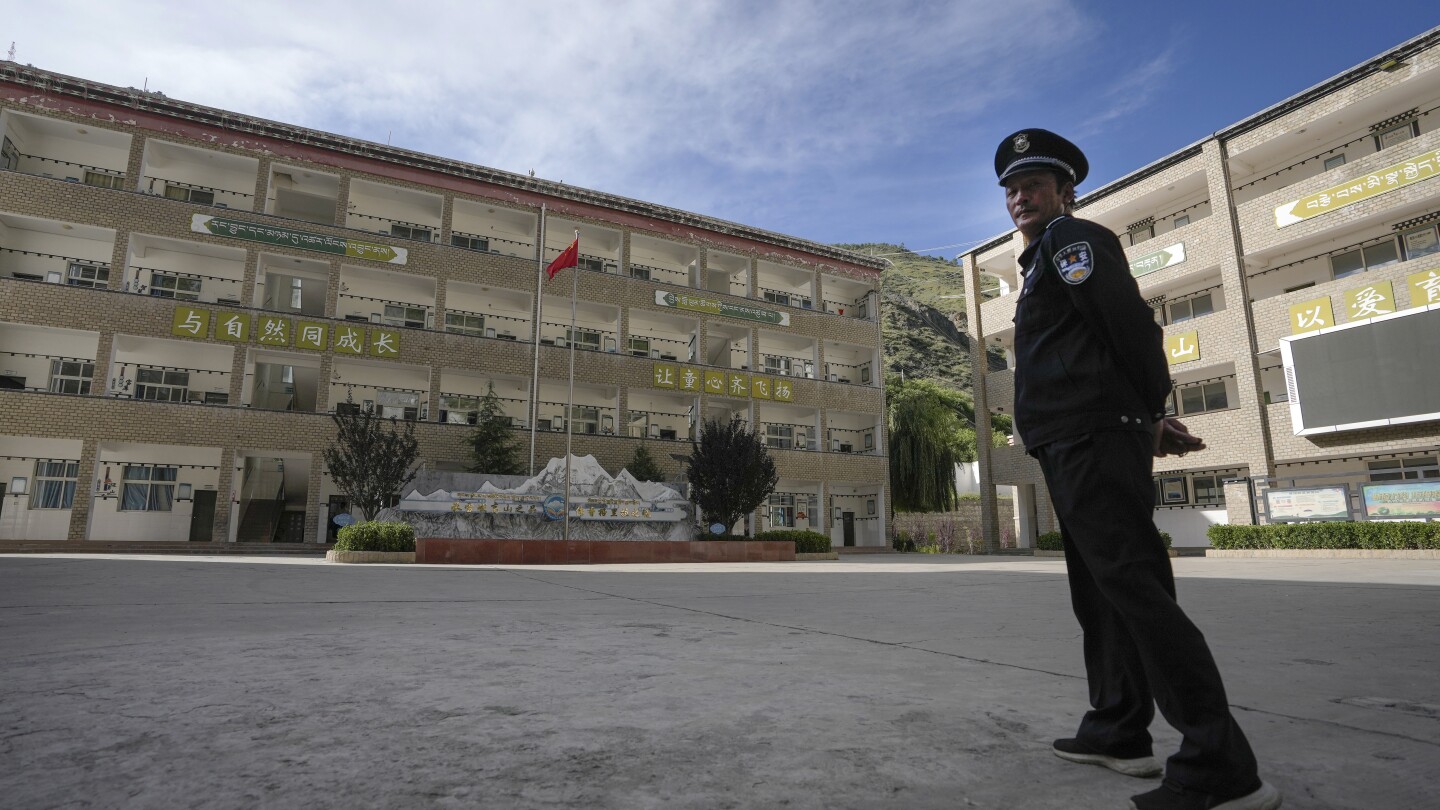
(302, 194)
(281, 381)
(662, 261)
(55, 252)
(391, 390)
(461, 393)
(597, 327)
(661, 337)
(482, 311)
(398, 213)
(1257, 218)
(785, 427)
(599, 247)
(594, 411)
(850, 299)
(185, 271)
(198, 176)
(727, 273)
(786, 355)
(383, 297)
(40, 358)
(155, 370)
(292, 286)
(727, 346)
(848, 432)
(493, 229)
(660, 416)
(851, 365)
(65, 151)
(784, 285)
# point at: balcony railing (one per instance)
(786, 298)
(197, 194)
(787, 366)
(852, 440)
(857, 374)
(401, 314)
(464, 409)
(788, 435)
(858, 309)
(183, 286)
(646, 272)
(644, 346)
(672, 426)
(400, 229)
(72, 270)
(589, 419)
(71, 171)
(492, 244)
(586, 338)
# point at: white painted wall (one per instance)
(1187, 527)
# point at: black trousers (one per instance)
(1141, 649)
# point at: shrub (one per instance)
(1050, 541)
(374, 535)
(806, 541)
(903, 541)
(1369, 534)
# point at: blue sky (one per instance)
(831, 121)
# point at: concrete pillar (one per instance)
(224, 484)
(342, 202)
(979, 368)
(86, 483)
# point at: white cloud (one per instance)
(699, 104)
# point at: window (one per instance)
(103, 180)
(594, 263)
(462, 323)
(296, 293)
(1410, 469)
(1395, 135)
(54, 484)
(1420, 242)
(782, 511)
(188, 194)
(1359, 260)
(1334, 162)
(468, 242)
(783, 299)
(1138, 235)
(402, 315)
(777, 365)
(586, 420)
(780, 436)
(410, 232)
(642, 273)
(1191, 308)
(1202, 398)
(1208, 489)
(458, 410)
(159, 385)
(640, 347)
(147, 489)
(584, 339)
(181, 288)
(1181, 221)
(71, 376)
(88, 275)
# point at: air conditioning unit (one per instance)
(653, 431)
(557, 423)
(834, 445)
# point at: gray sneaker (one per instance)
(1073, 750)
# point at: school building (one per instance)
(188, 293)
(1293, 259)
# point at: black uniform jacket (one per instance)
(1088, 353)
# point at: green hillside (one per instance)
(923, 306)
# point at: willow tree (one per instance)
(926, 430)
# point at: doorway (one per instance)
(339, 505)
(202, 516)
(847, 520)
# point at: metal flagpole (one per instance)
(535, 338)
(570, 398)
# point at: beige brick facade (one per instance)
(71, 116)
(1242, 271)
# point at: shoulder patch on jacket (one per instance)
(1074, 262)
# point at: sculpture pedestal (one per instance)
(484, 551)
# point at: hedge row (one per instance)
(1369, 534)
(806, 542)
(376, 536)
(1050, 541)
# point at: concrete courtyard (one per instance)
(885, 681)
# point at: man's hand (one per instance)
(1173, 439)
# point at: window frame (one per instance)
(1340, 157)
(1411, 127)
(1432, 230)
(83, 376)
(98, 278)
(173, 381)
(158, 493)
(52, 484)
(167, 285)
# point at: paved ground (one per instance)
(887, 681)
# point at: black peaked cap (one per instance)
(1031, 149)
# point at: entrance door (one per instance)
(339, 504)
(2, 486)
(292, 528)
(202, 516)
(847, 519)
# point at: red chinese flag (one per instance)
(569, 258)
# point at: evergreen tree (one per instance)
(369, 461)
(642, 465)
(730, 471)
(492, 442)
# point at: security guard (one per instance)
(1090, 388)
